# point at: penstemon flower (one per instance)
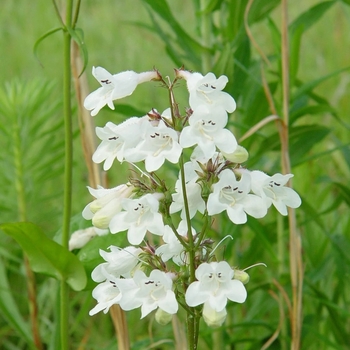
(114, 87)
(119, 262)
(207, 130)
(117, 141)
(148, 292)
(177, 264)
(272, 190)
(234, 196)
(214, 286)
(207, 90)
(106, 205)
(159, 143)
(139, 216)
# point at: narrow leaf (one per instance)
(47, 34)
(308, 18)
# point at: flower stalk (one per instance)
(180, 268)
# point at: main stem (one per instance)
(192, 321)
(67, 204)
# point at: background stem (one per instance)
(64, 314)
(295, 262)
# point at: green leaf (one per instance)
(307, 136)
(260, 9)
(191, 47)
(310, 110)
(308, 18)
(46, 256)
(44, 36)
(8, 307)
(343, 191)
(295, 52)
(306, 88)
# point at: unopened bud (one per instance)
(163, 317)
(212, 317)
(241, 276)
(240, 155)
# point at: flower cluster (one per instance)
(211, 181)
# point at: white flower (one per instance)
(206, 129)
(173, 249)
(193, 191)
(117, 140)
(140, 215)
(207, 90)
(148, 292)
(79, 238)
(272, 190)
(119, 262)
(159, 143)
(234, 197)
(214, 286)
(106, 294)
(114, 87)
(106, 205)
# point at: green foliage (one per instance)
(47, 256)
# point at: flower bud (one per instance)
(163, 317)
(240, 155)
(79, 238)
(212, 317)
(241, 276)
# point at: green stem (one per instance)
(192, 318)
(64, 314)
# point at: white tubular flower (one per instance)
(81, 237)
(214, 286)
(114, 87)
(173, 249)
(159, 143)
(193, 191)
(119, 262)
(117, 140)
(140, 215)
(106, 205)
(207, 130)
(207, 90)
(272, 190)
(148, 292)
(106, 294)
(234, 197)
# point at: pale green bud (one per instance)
(241, 276)
(240, 155)
(163, 317)
(212, 317)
